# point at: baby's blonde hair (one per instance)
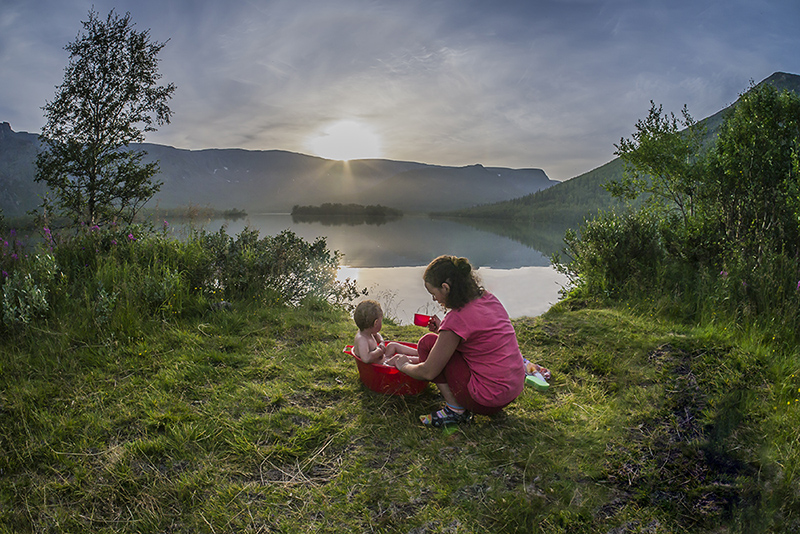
(366, 313)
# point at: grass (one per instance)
(251, 419)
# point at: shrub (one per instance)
(109, 281)
(614, 251)
(721, 231)
(26, 291)
(283, 266)
(13, 252)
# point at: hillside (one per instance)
(573, 200)
(18, 192)
(567, 203)
(275, 180)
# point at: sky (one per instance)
(543, 84)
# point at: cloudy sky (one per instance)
(529, 83)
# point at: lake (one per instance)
(388, 259)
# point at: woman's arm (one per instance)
(446, 344)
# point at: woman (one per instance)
(473, 356)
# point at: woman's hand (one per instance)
(399, 361)
(446, 344)
(434, 323)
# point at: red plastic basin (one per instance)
(385, 379)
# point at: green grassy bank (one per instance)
(250, 419)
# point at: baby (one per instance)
(368, 344)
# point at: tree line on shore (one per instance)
(346, 213)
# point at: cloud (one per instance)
(546, 83)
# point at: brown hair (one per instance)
(459, 275)
(366, 313)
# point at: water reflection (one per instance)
(525, 291)
(407, 242)
(389, 259)
(547, 238)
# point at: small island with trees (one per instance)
(351, 214)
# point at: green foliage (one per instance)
(720, 233)
(26, 291)
(663, 161)
(110, 283)
(352, 214)
(283, 266)
(109, 98)
(754, 183)
(614, 252)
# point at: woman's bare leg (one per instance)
(447, 394)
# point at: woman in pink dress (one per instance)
(472, 355)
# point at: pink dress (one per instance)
(496, 373)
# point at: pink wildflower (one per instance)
(130, 236)
(723, 274)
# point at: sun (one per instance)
(345, 140)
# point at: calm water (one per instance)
(389, 259)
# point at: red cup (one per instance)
(421, 320)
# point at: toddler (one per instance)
(368, 344)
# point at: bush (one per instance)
(14, 251)
(111, 281)
(720, 237)
(284, 267)
(26, 291)
(614, 252)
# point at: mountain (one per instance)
(276, 180)
(18, 192)
(573, 200)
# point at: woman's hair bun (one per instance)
(462, 266)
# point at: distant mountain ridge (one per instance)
(276, 180)
(583, 196)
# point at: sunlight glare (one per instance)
(346, 140)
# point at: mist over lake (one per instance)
(388, 259)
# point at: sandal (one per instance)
(445, 416)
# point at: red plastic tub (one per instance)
(385, 379)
